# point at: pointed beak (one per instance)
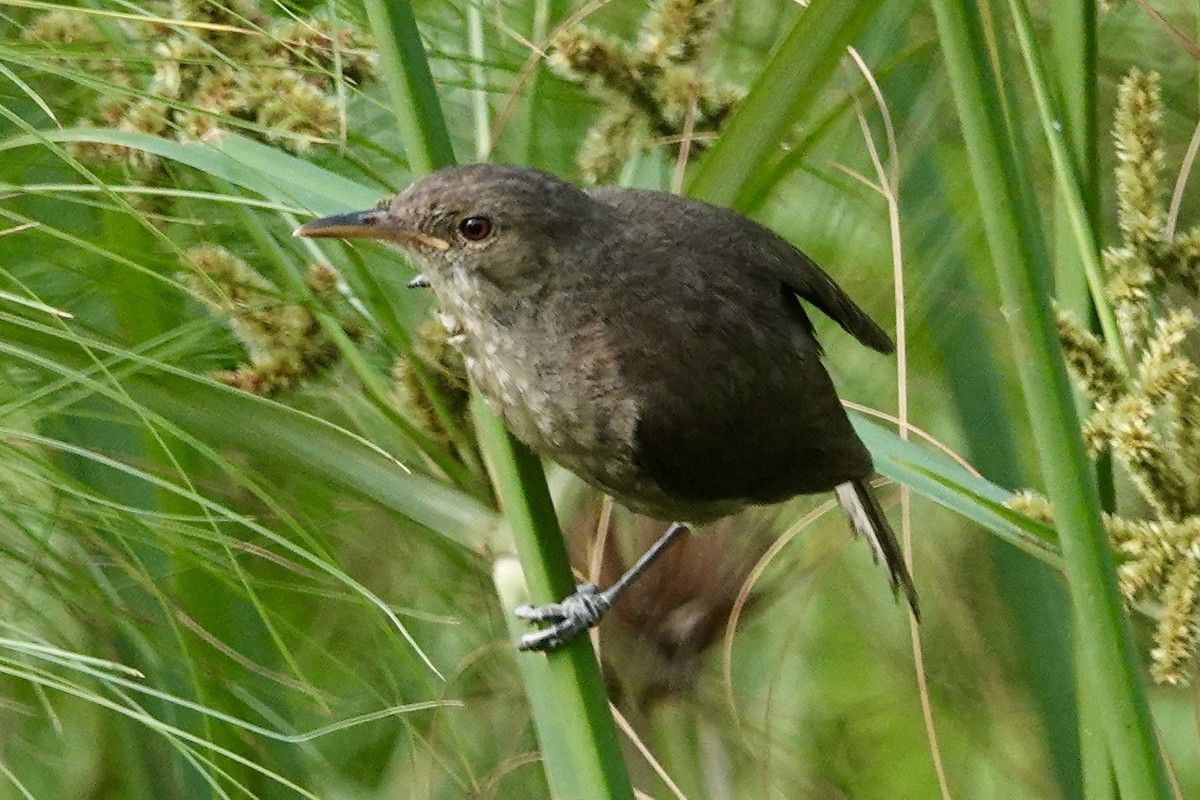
(358, 224)
(372, 224)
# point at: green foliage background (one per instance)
(209, 593)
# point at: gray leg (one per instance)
(582, 610)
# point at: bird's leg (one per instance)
(583, 609)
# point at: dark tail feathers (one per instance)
(867, 519)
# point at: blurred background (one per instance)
(218, 580)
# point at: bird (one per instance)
(656, 346)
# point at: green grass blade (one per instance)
(589, 762)
(1012, 221)
(1073, 35)
(414, 97)
(1070, 185)
(592, 764)
(936, 477)
(781, 98)
(1074, 68)
(243, 162)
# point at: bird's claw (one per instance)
(567, 619)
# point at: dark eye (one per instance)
(475, 228)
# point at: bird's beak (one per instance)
(373, 224)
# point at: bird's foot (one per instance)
(574, 615)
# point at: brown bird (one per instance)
(651, 344)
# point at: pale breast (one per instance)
(558, 391)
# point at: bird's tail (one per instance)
(867, 519)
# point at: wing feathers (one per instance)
(805, 278)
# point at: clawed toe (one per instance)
(568, 619)
(549, 613)
(583, 609)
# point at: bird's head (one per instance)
(500, 225)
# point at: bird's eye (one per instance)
(475, 228)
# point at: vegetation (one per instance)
(258, 540)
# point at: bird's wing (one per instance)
(801, 275)
(745, 241)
